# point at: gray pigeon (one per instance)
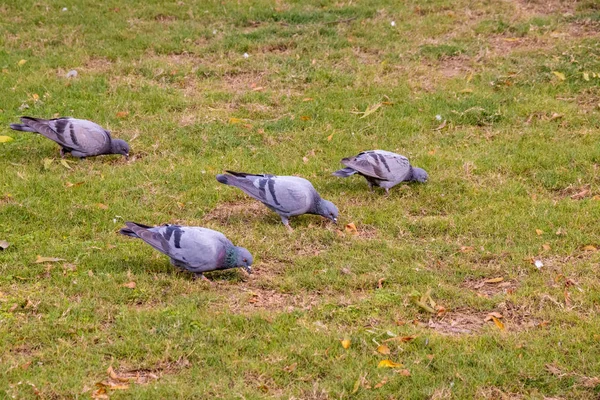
(192, 248)
(286, 195)
(80, 137)
(382, 168)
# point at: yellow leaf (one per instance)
(35, 97)
(586, 76)
(122, 114)
(346, 343)
(559, 75)
(130, 285)
(401, 339)
(589, 247)
(235, 121)
(5, 139)
(305, 118)
(351, 228)
(102, 206)
(371, 109)
(356, 386)
(498, 323)
(47, 162)
(330, 137)
(494, 280)
(539, 232)
(21, 62)
(467, 90)
(65, 164)
(41, 259)
(383, 349)
(389, 364)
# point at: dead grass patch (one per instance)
(497, 394)
(545, 7)
(487, 289)
(247, 210)
(246, 299)
(574, 192)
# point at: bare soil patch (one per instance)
(246, 209)
(487, 288)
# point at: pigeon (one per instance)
(80, 137)
(192, 248)
(382, 168)
(288, 196)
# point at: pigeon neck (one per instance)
(410, 175)
(317, 205)
(230, 260)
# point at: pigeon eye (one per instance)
(245, 260)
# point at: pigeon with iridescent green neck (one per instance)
(192, 248)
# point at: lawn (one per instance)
(482, 283)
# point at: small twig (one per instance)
(340, 21)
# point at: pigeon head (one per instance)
(328, 210)
(119, 146)
(244, 259)
(419, 175)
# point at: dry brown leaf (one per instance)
(492, 315)
(546, 247)
(70, 185)
(403, 372)
(291, 368)
(351, 228)
(389, 364)
(130, 285)
(330, 137)
(122, 114)
(346, 343)
(581, 195)
(494, 280)
(589, 247)
(305, 118)
(102, 206)
(539, 232)
(4, 244)
(41, 259)
(466, 249)
(383, 349)
(441, 126)
(305, 159)
(380, 384)
(401, 339)
(370, 110)
(307, 99)
(380, 283)
(113, 375)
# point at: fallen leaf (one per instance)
(559, 75)
(69, 184)
(441, 126)
(561, 232)
(492, 315)
(380, 283)
(307, 99)
(113, 375)
(466, 249)
(539, 232)
(370, 110)
(130, 285)
(403, 372)
(589, 247)
(21, 62)
(554, 370)
(305, 118)
(122, 114)
(555, 116)
(305, 159)
(102, 206)
(389, 364)
(581, 195)
(351, 228)
(380, 384)
(41, 259)
(235, 121)
(586, 76)
(4, 244)
(35, 97)
(498, 323)
(345, 343)
(47, 162)
(467, 90)
(383, 349)
(5, 139)
(330, 137)
(258, 89)
(356, 386)
(494, 280)
(291, 368)
(65, 164)
(546, 247)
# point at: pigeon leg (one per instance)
(201, 276)
(387, 192)
(371, 187)
(286, 222)
(62, 152)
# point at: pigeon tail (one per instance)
(344, 172)
(222, 178)
(21, 127)
(129, 232)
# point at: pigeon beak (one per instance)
(127, 156)
(248, 269)
(335, 220)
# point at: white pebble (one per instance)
(393, 23)
(246, 55)
(438, 117)
(65, 9)
(539, 264)
(214, 31)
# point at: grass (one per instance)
(513, 177)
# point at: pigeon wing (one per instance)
(378, 164)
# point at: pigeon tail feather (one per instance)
(344, 172)
(21, 127)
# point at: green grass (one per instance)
(518, 142)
